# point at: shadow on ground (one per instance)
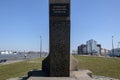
(35, 73)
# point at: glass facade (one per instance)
(92, 47)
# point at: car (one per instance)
(3, 60)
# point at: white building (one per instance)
(104, 52)
(6, 52)
(92, 47)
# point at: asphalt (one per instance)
(13, 58)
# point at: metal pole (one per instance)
(112, 46)
(40, 46)
(118, 44)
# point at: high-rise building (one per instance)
(92, 47)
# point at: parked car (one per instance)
(3, 60)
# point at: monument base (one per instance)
(74, 75)
(46, 65)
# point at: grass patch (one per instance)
(109, 67)
(19, 68)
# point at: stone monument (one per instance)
(57, 64)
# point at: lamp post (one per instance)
(40, 46)
(118, 45)
(112, 46)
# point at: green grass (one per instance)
(19, 68)
(109, 67)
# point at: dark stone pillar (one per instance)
(57, 64)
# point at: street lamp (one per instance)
(40, 46)
(112, 46)
(118, 45)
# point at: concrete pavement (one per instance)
(75, 75)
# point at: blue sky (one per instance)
(23, 21)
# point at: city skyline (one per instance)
(22, 22)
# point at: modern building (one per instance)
(92, 47)
(116, 52)
(82, 49)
